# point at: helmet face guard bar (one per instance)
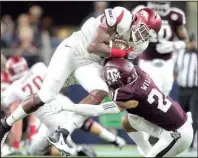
(141, 33)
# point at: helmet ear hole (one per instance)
(134, 18)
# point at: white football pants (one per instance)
(166, 145)
(63, 63)
(52, 116)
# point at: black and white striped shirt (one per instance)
(186, 69)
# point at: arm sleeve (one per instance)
(93, 110)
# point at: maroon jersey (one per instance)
(173, 19)
(153, 105)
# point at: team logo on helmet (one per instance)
(144, 14)
(113, 75)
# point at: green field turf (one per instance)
(127, 151)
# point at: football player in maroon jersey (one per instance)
(157, 59)
(148, 109)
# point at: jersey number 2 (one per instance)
(36, 81)
(163, 104)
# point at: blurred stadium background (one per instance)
(34, 29)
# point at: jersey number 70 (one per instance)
(163, 104)
(36, 82)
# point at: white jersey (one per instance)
(80, 40)
(29, 84)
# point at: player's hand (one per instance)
(165, 47)
(131, 54)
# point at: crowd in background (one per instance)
(28, 35)
(35, 36)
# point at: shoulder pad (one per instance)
(110, 17)
(180, 13)
(126, 18)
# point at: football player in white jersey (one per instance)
(26, 82)
(81, 54)
(5, 82)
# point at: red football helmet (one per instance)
(145, 26)
(119, 72)
(16, 67)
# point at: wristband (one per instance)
(116, 52)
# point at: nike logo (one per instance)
(67, 46)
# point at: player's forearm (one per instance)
(184, 42)
(100, 49)
(93, 110)
(99, 44)
(104, 50)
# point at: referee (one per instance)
(186, 76)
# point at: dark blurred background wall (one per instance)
(64, 12)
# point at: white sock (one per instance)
(141, 141)
(107, 136)
(18, 114)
